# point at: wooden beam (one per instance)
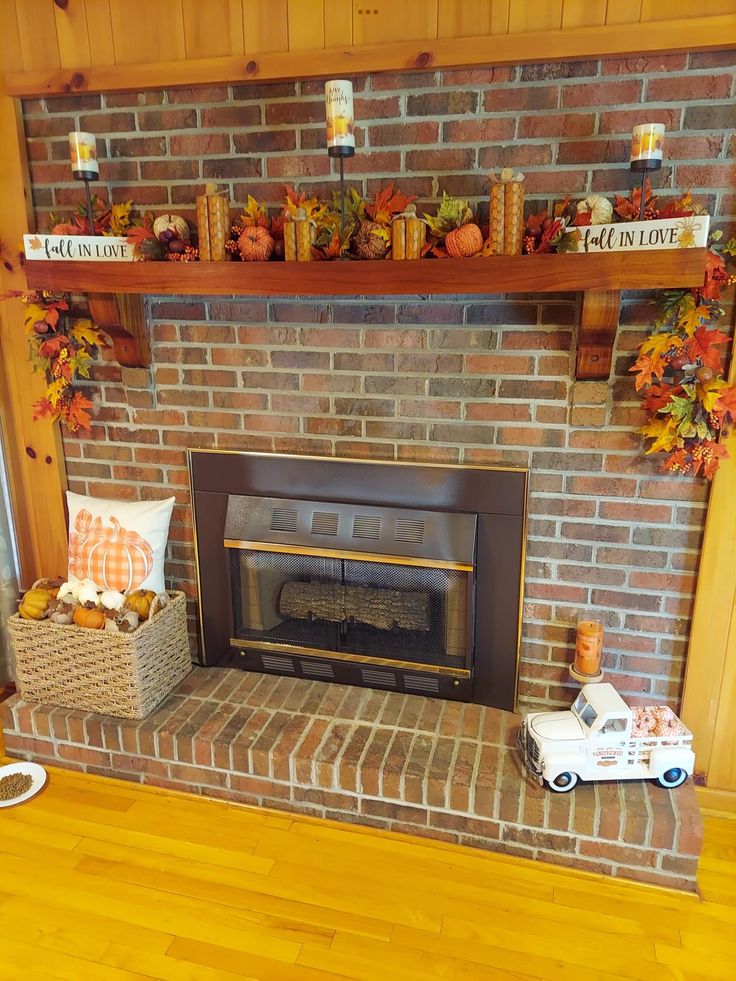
(597, 334)
(34, 452)
(498, 274)
(686, 34)
(122, 318)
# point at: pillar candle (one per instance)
(339, 117)
(588, 647)
(83, 155)
(647, 141)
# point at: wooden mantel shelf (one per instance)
(600, 276)
(497, 274)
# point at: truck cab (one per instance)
(594, 741)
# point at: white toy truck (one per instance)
(601, 738)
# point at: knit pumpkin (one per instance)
(464, 241)
(372, 240)
(600, 209)
(94, 619)
(255, 244)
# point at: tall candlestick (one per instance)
(340, 130)
(83, 156)
(647, 141)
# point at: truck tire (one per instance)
(672, 778)
(563, 782)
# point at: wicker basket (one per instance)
(124, 675)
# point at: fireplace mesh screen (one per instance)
(316, 603)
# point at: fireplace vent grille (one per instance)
(428, 686)
(284, 519)
(366, 526)
(325, 523)
(272, 662)
(409, 530)
(384, 679)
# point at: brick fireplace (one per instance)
(481, 381)
(467, 381)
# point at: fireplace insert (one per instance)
(398, 579)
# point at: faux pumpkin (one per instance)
(84, 617)
(140, 602)
(255, 244)
(174, 223)
(464, 241)
(35, 603)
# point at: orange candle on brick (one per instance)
(589, 647)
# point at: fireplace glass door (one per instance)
(392, 586)
(387, 612)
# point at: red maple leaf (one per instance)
(708, 455)
(648, 367)
(42, 408)
(726, 404)
(75, 412)
(658, 395)
(702, 346)
(53, 346)
(715, 276)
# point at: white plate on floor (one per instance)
(34, 770)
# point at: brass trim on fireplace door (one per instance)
(286, 648)
(349, 459)
(331, 553)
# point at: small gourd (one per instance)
(61, 612)
(140, 602)
(255, 244)
(35, 604)
(94, 619)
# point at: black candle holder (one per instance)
(644, 167)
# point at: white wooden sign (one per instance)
(635, 236)
(85, 248)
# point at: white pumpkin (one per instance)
(600, 209)
(175, 222)
(88, 593)
(68, 591)
(111, 599)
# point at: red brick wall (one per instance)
(485, 381)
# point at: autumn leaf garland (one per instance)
(61, 344)
(679, 373)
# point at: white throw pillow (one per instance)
(118, 544)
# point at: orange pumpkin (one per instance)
(140, 602)
(94, 619)
(464, 241)
(255, 244)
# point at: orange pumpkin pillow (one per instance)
(118, 544)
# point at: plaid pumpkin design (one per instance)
(111, 556)
(77, 537)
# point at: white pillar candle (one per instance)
(647, 142)
(83, 155)
(340, 118)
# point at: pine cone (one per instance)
(371, 241)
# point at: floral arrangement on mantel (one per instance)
(679, 368)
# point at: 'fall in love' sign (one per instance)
(635, 236)
(85, 248)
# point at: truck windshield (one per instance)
(584, 710)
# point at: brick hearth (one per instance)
(446, 770)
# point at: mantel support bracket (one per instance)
(597, 334)
(121, 317)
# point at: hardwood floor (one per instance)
(100, 879)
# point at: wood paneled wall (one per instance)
(42, 41)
